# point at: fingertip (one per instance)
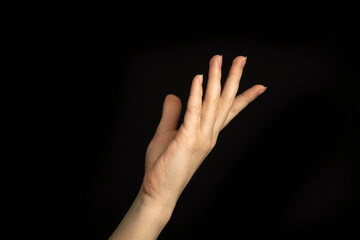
(172, 98)
(240, 61)
(216, 56)
(217, 59)
(243, 62)
(200, 79)
(261, 89)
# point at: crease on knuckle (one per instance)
(233, 111)
(247, 98)
(213, 100)
(193, 109)
(227, 99)
(186, 137)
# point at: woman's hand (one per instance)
(173, 156)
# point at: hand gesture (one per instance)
(174, 155)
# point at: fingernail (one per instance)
(243, 62)
(262, 90)
(220, 61)
(201, 79)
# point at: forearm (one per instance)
(144, 220)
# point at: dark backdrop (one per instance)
(286, 166)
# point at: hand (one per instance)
(173, 156)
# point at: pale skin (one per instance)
(174, 155)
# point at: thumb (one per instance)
(170, 114)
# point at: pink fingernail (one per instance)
(201, 79)
(243, 62)
(220, 61)
(261, 91)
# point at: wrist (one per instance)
(144, 220)
(159, 212)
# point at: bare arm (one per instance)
(173, 156)
(144, 220)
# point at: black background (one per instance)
(285, 167)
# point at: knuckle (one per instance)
(247, 98)
(213, 99)
(187, 139)
(227, 99)
(194, 109)
(232, 111)
(196, 142)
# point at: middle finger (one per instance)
(212, 96)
